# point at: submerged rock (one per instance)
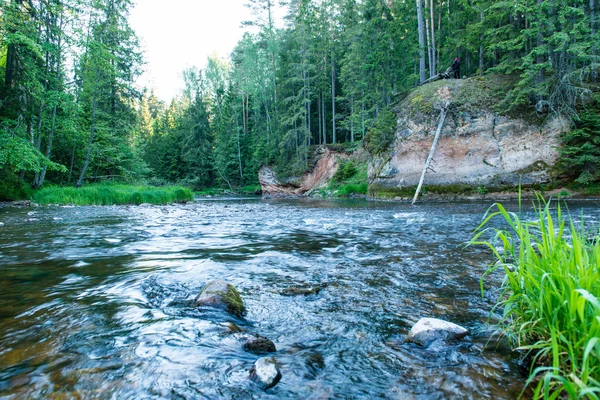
(259, 345)
(300, 291)
(265, 372)
(428, 330)
(22, 203)
(314, 362)
(221, 294)
(234, 328)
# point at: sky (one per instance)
(178, 34)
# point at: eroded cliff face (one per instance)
(477, 147)
(325, 167)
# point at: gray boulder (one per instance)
(220, 294)
(429, 330)
(265, 372)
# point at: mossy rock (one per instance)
(259, 345)
(220, 294)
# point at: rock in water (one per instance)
(428, 330)
(259, 345)
(265, 372)
(221, 294)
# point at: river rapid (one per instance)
(95, 302)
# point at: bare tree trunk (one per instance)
(433, 65)
(593, 33)
(324, 118)
(38, 140)
(429, 55)
(57, 83)
(40, 182)
(481, 62)
(92, 132)
(333, 140)
(539, 59)
(422, 75)
(432, 152)
(352, 120)
(319, 118)
(243, 112)
(239, 148)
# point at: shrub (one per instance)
(346, 170)
(381, 135)
(580, 153)
(11, 188)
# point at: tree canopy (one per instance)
(70, 111)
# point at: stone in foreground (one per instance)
(428, 330)
(265, 372)
(259, 345)
(220, 294)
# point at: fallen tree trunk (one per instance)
(433, 147)
(442, 75)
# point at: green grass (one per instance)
(112, 194)
(550, 298)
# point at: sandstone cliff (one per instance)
(325, 167)
(478, 147)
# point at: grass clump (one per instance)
(550, 298)
(112, 194)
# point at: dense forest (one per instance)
(70, 111)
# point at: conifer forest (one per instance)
(71, 113)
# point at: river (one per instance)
(95, 301)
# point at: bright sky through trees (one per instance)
(179, 34)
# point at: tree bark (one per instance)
(420, 27)
(429, 55)
(92, 132)
(432, 152)
(481, 62)
(333, 140)
(593, 33)
(433, 64)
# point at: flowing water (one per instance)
(95, 301)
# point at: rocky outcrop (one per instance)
(265, 372)
(325, 167)
(477, 147)
(429, 330)
(220, 294)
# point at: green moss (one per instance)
(235, 304)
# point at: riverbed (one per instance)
(95, 302)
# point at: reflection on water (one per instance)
(95, 301)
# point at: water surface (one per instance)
(95, 301)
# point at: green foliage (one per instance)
(351, 189)
(346, 170)
(11, 188)
(382, 134)
(112, 194)
(350, 178)
(580, 153)
(550, 298)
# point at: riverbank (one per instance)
(112, 194)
